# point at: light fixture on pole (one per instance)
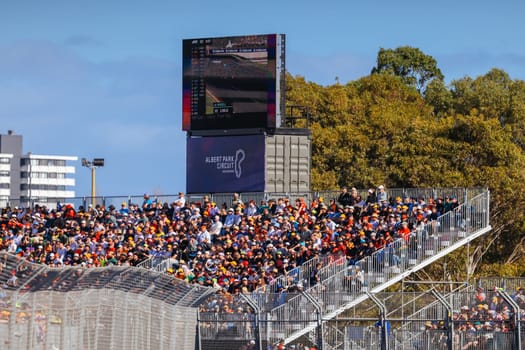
(93, 164)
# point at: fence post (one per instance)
(198, 331)
(318, 309)
(517, 321)
(383, 321)
(450, 320)
(257, 328)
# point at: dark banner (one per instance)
(225, 164)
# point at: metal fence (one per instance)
(462, 194)
(348, 285)
(367, 325)
(96, 308)
(105, 308)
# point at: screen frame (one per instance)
(268, 85)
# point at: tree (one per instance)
(410, 64)
(379, 130)
(438, 96)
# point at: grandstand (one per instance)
(65, 304)
(338, 290)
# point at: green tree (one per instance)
(439, 97)
(413, 66)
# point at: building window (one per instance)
(40, 175)
(49, 162)
(25, 187)
(4, 186)
(4, 173)
(5, 161)
(41, 162)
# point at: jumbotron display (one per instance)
(232, 82)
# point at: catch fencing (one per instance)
(95, 308)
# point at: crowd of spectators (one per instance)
(237, 247)
(485, 321)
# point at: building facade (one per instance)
(5, 177)
(29, 179)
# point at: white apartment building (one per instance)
(29, 179)
(46, 179)
(5, 178)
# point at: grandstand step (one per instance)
(347, 297)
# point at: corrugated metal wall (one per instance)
(287, 163)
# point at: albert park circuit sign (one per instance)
(225, 164)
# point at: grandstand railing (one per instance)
(331, 263)
(428, 330)
(391, 264)
(463, 195)
(415, 307)
(509, 284)
(155, 263)
(492, 332)
(416, 320)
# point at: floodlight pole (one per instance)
(93, 164)
(93, 194)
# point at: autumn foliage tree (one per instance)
(403, 127)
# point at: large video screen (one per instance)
(232, 82)
(217, 164)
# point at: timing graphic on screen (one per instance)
(232, 82)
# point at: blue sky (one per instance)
(103, 78)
